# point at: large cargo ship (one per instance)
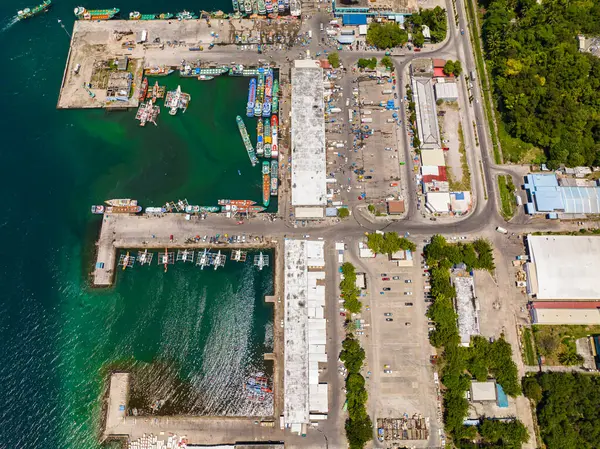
(274, 133)
(274, 181)
(95, 14)
(259, 138)
(121, 202)
(136, 15)
(251, 98)
(30, 12)
(246, 139)
(123, 209)
(266, 172)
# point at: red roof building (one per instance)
(438, 72)
(439, 63)
(441, 176)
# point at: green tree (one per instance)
(510, 435)
(570, 358)
(387, 62)
(532, 389)
(343, 212)
(388, 243)
(352, 355)
(334, 59)
(418, 39)
(448, 67)
(359, 431)
(387, 35)
(457, 68)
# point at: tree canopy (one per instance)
(386, 35)
(348, 289)
(387, 62)
(452, 67)
(435, 19)
(334, 60)
(367, 63)
(548, 92)
(343, 212)
(388, 243)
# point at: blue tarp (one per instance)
(502, 398)
(354, 19)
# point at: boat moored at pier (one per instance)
(266, 190)
(123, 209)
(246, 140)
(251, 98)
(274, 180)
(98, 209)
(95, 14)
(121, 202)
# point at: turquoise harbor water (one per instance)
(58, 337)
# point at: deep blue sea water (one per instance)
(58, 337)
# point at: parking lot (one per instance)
(400, 376)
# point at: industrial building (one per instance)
(446, 91)
(433, 157)
(483, 391)
(548, 194)
(563, 267)
(308, 139)
(438, 202)
(427, 121)
(565, 312)
(305, 334)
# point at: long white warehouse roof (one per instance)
(308, 136)
(566, 266)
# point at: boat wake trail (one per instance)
(9, 23)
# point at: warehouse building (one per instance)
(466, 305)
(565, 312)
(563, 267)
(446, 91)
(427, 122)
(305, 333)
(546, 194)
(308, 140)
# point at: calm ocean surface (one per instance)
(59, 338)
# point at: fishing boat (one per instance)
(266, 112)
(274, 133)
(239, 203)
(205, 78)
(248, 6)
(275, 99)
(147, 112)
(269, 6)
(185, 15)
(286, 4)
(246, 140)
(209, 209)
(123, 209)
(261, 7)
(157, 92)
(280, 6)
(98, 209)
(155, 210)
(30, 12)
(274, 181)
(258, 108)
(266, 172)
(121, 202)
(295, 7)
(136, 15)
(144, 89)
(269, 84)
(254, 7)
(95, 14)
(259, 137)
(236, 5)
(251, 98)
(177, 100)
(158, 71)
(267, 138)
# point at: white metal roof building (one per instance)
(468, 319)
(483, 391)
(427, 122)
(563, 267)
(305, 333)
(438, 201)
(308, 135)
(433, 157)
(446, 91)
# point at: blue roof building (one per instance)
(354, 19)
(545, 195)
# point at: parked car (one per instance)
(342, 313)
(383, 275)
(386, 289)
(407, 293)
(389, 319)
(386, 366)
(407, 323)
(429, 300)
(387, 314)
(387, 371)
(385, 279)
(407, 281)
(408, 304)
(368, 177)
(396, 278)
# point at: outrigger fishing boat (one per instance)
(266, 190)
(30, 12)
(246, 140)
(185, 15)
(274, 180)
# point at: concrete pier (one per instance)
(117, 402)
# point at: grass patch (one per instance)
(507, 197)
(483, 77)
(465, 181)
(528, 348)
(517, 151)
(553, 341)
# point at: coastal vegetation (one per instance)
(389, 243)
(567, 407)
(481, 360)
(547, 90)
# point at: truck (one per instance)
(501, 230)
(366, 120)
(386, 92)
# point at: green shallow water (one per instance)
(59, 337)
